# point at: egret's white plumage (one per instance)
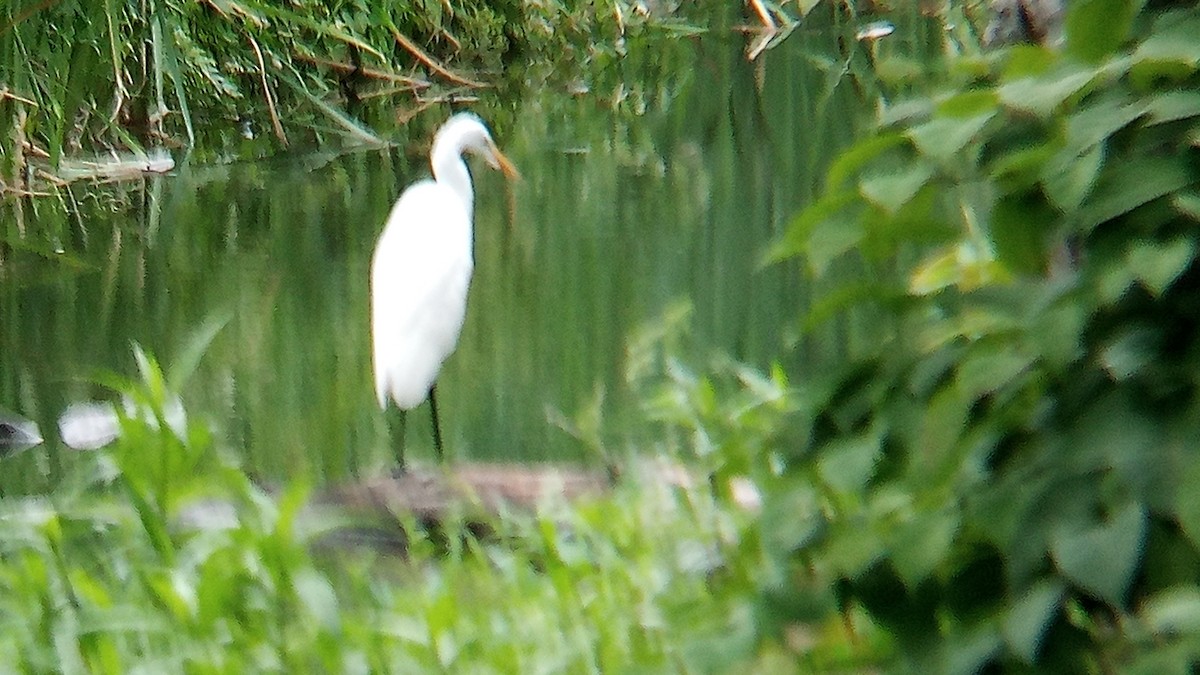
(422, 266)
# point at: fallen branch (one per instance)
(109, 169)
(373, 512)
(430, 493)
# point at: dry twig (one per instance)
(262, 71)
(5, 93)
(763, 15)
(429, 61)
(347, 68)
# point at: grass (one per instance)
(114, 573)
(205, 75)
(251, 78)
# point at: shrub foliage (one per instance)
(1005, 475)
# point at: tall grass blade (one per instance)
(251, 8)
(166, 55)
(188, 359)
(343, 120)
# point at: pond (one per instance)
(637, 204)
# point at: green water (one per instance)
(627, 209)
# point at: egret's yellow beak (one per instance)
(499, 161)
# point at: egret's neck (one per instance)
(450, 170)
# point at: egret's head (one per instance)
(465, 132)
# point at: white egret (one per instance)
(422, 268)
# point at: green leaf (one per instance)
(942, 426)
(943, 137)
(198, 340)
(1022, 226)
(1188, 204)
(921, 544)
(970, 104)
(844, 298)
(1124, 186)
(893, 189)
(840, 207)
(971, 651)
(968, 325)
(1069, 180)
(852, 546)
(806, 6)
(1187, 501)
(1021, 168)
(905, 114)
(1130, 352)
(1096, 28)
(173, 592)
(920, 222)
(853, 159)
(1170, 52)
(985, 371)
(1157, 265)
(792, 519)
(1043, 94)
(1113, 281)
(847, 464)
(166, 59)
(1103, 559)
(1172, 106)
(1029, 617)
(1174, 611)
(152, 375)
(962, 265)
(1128, 446)
(317, 597)
(900, 71)
(1098, 122)
(1171, 658)
(937, 272)
(830, 239)
(1028, 60)
(1056, 333)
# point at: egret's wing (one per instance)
(419, 278)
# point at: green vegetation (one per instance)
(201, 74)
(1003, 471)
(994, 471)
(168, 558)
(248, 78)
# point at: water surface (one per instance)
(631, 204)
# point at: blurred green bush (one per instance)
(1007, 473)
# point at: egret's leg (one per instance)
(437, 430)
(397, 421)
